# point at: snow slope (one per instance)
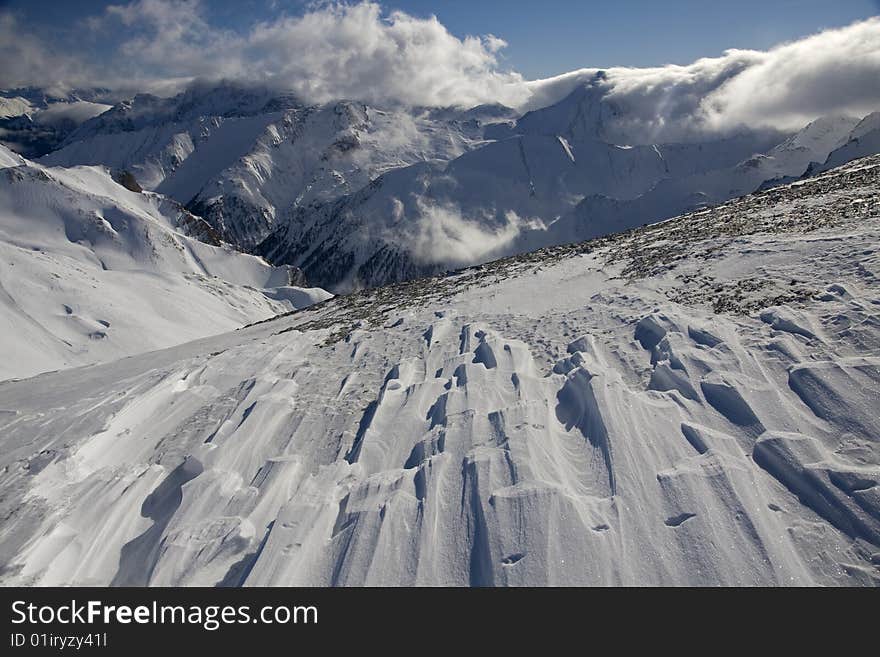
(91, 271)
(151, 137)
(690, 403)
(10, 159)
(438, 215)
(603, 214)
(317, 154)
(863, 140)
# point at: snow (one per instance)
(239, 156)
(566, 147)
(524, 187)
(230, 141)
(8, 158)
(35, 122)
(863, 140)
(351, 193)
(599, 215)
(14, 106)
(691, 403)
(90, 271)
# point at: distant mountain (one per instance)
(863, 140)
(35, 121)
(600, 215)
(548, 179)
(91, 270)
(242, 156)
(356, 195)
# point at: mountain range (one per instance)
(356, 195)
(251, 340)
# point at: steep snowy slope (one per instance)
(603, 214)
(10, 159)
(12, 106)
(152, 136)
(688, 403)
(589, 115)
(863, 140)
(317, 154)
(91, 271)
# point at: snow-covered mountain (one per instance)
(693, 402)
(599, 215)
(35, 121)
(92, 271)
(863, 140)
(239, 155)
(151, 137)
(492, 201)
(357, 195)
(550, 178)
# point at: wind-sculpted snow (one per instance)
(688, 403)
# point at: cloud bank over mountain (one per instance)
(361, 51)
(832, 72)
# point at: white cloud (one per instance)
(835, 71)
(333, 51)
(440, 234)
(358, 51)
(169, 39)
(77, 112)
(832, 72)
(353, 52)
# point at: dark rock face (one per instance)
(127, 180)
(235, 220)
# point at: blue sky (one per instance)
(548, 37)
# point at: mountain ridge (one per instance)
(356, 195)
